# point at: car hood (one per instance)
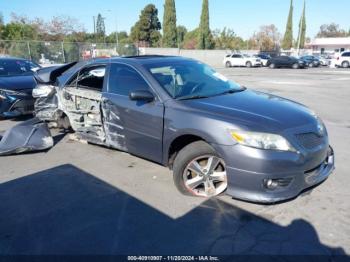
(25, 83)
(253, 108)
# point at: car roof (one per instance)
(13, 58)
(141, 60)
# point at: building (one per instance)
(329, 45)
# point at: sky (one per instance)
(243, 16)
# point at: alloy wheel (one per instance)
(205, 176)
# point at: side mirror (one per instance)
(141, 95)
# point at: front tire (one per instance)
(345, 64)
(199, 171)
(295, 66)
(249, 64)
(272, 66)
(228, 64)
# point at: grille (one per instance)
(310, 140)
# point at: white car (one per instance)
(241, 60)
(343, 60)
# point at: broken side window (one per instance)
(91, 78)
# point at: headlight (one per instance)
(43, 91)
(262, 140)
(5, 92)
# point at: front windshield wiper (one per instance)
(191, 97)
(231, 91)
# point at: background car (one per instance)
(325, 60)
(241, 60)
(286, 62)
(343, 60)
(311, 61)
(16, 85)
(264, 58)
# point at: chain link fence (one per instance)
(62, 52)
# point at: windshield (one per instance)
(13, 67)
(190, 79)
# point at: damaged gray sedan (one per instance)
(215, 135)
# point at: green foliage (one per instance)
(191, 39)
(227, 39)
(18, 31)
(100, 26)
(302, 30)
(123, 38)
(147, 28)
(268, 38)
(287, 42)
(181, 33)
(205, 38)
(169, 24)
(332, 30)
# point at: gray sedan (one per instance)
(216, 135)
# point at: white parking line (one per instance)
(287, 83)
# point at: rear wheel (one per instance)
(249, 64)
(295, 66)
(345, 64)
(200, 171)
(228, 64)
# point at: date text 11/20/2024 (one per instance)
(172, 258)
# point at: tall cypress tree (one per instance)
(205, 38)
(302, 30)
(100, 26)
(288, 36)
(146, 29)
(169, 24)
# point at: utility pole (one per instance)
(94, 28)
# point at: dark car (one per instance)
(264, 58)
(214, 134)
(311, 61)
(16, 85)
(286, 62)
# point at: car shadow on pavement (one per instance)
(67, 211)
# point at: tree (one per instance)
(331, 30)
(169, 24)
(181, 33)
(287, 42)
(227, 39)
(1, 19)
(147, 28)
(123, 38)
(100, 26)
(205, 38)
(267, 38)
(302, 30)
(191, 39)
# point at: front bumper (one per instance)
(248, 169)
(16, 106)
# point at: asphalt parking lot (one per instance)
(83, 199)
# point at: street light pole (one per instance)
(116, 28)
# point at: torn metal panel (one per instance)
(82, 106)
(46, 107)
(113, 126)
(28, 136)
